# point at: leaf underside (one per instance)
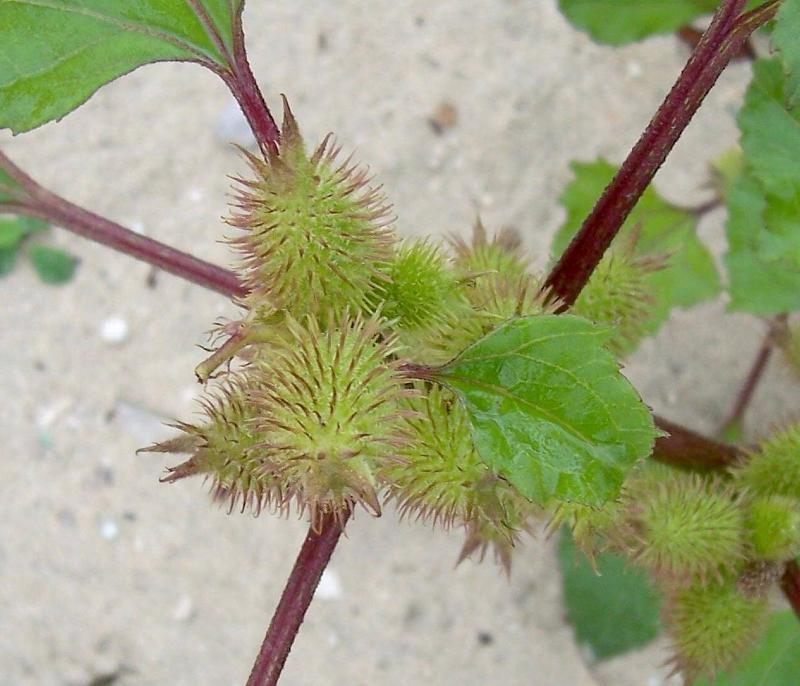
(54, 54)
(613, 610)
(549, 409)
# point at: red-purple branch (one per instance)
(720, 43)
(32, 200)
(295, 599)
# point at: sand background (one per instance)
(106, 576)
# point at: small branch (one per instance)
(721, 41)
(245, 89)
(297, 594)
(688, 449)
(748, 389)
(36, 201)
(790, 585)
(691, 37)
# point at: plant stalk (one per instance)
(687, 449)
(295, 599)
(243, 85)
(790, 585)
(719, 44)
(746, 393)
(41, 203)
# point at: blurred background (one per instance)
(460, 109)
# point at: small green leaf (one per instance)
(771, 131)
(549, 409)
(52, 265)
(8, 259)
(784, 40)
(613, 610)
(774, 661)
(616, 22)
(690, 275)
(56, 53)
(12, 231)
(763, 226)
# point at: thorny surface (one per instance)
(104, 569)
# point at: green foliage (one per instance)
(774, 526)
(713, 626)
(613, 608)
(617, 22)
(774, 661)
(52, 265)
(784, 40)
(763, 227)
(57, 54)
(660, 233)
(549, 409)
(790, 345)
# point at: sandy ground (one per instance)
(107, 576)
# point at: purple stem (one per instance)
(295, 599)
(719, 44)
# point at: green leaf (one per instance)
(771, 131)
(54, 54)
(774, 661)
(549, 409)
(8, 259)
(690, 275)
(613, 610)
(12, 231)
(763, 226)
(52, 265)
(784, 41)
(616, 22)
(7, 184)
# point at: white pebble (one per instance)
(330, 588)
(109, 529)
(195, 194)
(183, 610)
(634, 69)
(114, 330)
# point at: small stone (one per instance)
(183, 610)
(330, 588)
(114, 330)
(444, 117)
(109, 529)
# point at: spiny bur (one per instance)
(686, 526)
(440, 478)
(328, 410)
(620, 293)
(773, 524)
(315, 234)
(774, 467)
(421, 287)
(713, 625)
(222, 449)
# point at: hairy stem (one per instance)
(719, 44)
(295, 599)
(687, 449)
(35, 201)
(748, 389)
(790, 585)
(245, 89)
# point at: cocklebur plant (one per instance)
(454, 382)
